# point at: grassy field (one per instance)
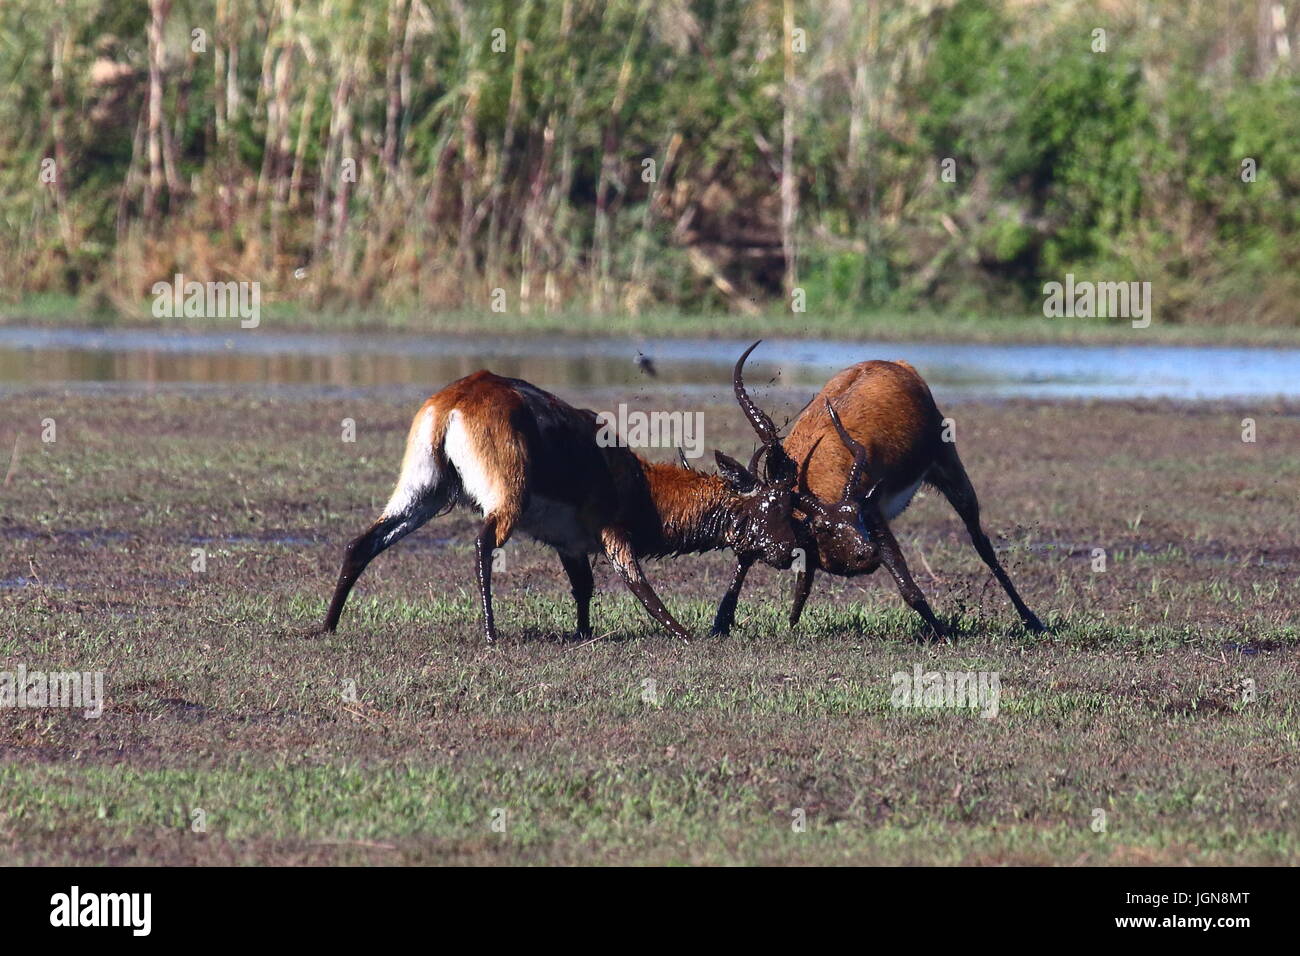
(633, 748)
(62, 311)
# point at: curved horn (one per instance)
(762, 424)
(803, 468)
(804, 499)
(780, 467)
(859, 455)
(681, 455)
(754, 459)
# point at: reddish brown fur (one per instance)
(886, 409)
(533, 462)
(494, 416)
(686, 503)
(885, 405)
(488, 407)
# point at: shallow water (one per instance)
(147, 359)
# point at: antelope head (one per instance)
(841, 534)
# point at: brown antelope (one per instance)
(533, 463)
(864, 445)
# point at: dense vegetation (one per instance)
(426, 152)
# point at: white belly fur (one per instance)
(891, 506)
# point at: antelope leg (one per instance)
(802, 586)
(726, 615)
(578, 568)
(483, 545)
(363, 549)
(619, 551)
(952, 480)
(892, 557)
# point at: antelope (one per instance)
(864, 446)
(530, 462)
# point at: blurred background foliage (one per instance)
(421, 153)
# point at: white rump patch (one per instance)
(474, 478)
(419, 469)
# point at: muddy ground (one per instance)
(181, 543)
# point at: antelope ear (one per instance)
(735, 474)
(781, 468)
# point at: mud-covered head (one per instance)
(762, 524)
(765, 529)
(840, 535)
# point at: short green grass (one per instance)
(1162, 698)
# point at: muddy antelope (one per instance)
(863, 446)
(532, 463)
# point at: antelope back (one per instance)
(513, 445)
(884, 405)
(510, 440)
